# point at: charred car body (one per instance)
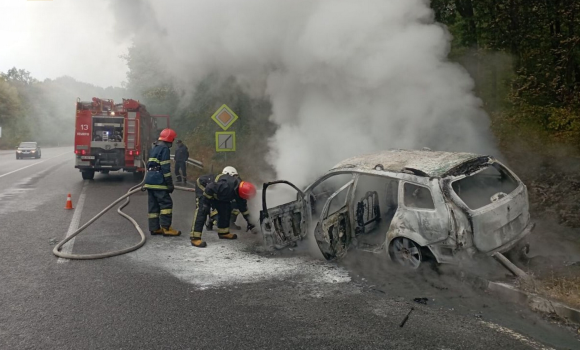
(408, 204)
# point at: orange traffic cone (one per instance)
(68, 202)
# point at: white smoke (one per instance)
(344, 77)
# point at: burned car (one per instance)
(408, 204)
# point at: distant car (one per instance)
(28, 149)
(407, 204)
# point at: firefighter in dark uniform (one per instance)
(200, 184)
(229, 170)
(219, 194)
(181, 156)
(159, 185)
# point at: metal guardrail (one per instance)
(191, 161)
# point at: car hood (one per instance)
(26, 149)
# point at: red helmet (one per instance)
(246, 190)
(167, 135)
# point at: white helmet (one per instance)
(230, 170)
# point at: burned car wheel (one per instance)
(405, 252)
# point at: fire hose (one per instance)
(137, 188)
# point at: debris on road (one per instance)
(421, 300)
(406, 317)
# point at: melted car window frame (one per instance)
(419, 187)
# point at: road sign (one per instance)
(224, 117)
(225, 141)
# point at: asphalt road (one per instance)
(169, 295)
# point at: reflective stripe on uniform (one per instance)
(223, 230)
(207, 195)
(155, 187)
(153, 215)
(200, 185)
(153, 160)
(165, 162)
(196, 234)
(213, 213)
(247, 212)
(235, 212)
(166, 211)
(167, 175)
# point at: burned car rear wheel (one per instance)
(405, 252)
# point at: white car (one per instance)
(408, 204)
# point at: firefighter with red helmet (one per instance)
(159, 185)
(219, 194)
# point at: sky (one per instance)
(53, 38)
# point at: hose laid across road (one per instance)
(56, 251)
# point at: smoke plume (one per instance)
(344, 77)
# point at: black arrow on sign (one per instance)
(224, 144)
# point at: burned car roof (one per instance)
(419, 162)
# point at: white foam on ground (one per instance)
(224, 263)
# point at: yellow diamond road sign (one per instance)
(224, 117)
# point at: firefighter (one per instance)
(159, 185)
(181, 155)
(219, 194)
(229, 170)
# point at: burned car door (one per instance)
(423, 217)
(333, 230)
(284, 224)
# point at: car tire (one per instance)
(405, 252)
(88, 174)
(17, 157)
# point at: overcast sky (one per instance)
(62, 37)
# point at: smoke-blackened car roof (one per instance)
(421, 162)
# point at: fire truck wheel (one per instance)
(88, 174)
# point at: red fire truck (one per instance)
(111, 136)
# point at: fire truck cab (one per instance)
(111, 137)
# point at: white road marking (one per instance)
(516, 336)
(28, 166)
(74, 223)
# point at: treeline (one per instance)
(191, 107)
(42, 111)
(525, 58)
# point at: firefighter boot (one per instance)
(227, 236)
(233, 222)
(159, 231)
(197, 242)
(170, 232)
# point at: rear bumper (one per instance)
(512, 243)
(108, 168)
